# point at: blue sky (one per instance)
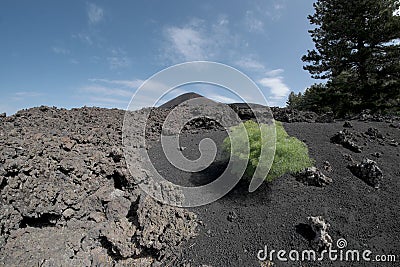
(97, 53)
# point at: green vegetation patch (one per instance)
(291, 155)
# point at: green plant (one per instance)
(291, 155)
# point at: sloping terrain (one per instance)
(240, 224)
(68, 199)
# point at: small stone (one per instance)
(347, 124)
(395, 144)
(67, 144)
(232, 216)
(327, 166)
(3, 115)
(68, 213)
(395, 125)
(348, 157)
(97, 216)
(376, 154)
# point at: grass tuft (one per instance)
(291, 155)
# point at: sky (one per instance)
(98, 53)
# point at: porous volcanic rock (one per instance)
(322, 240)
(68, 199)
(368, 171)
(346, 139)
(292, 115)
(313, 176)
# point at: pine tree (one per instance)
(357, 50)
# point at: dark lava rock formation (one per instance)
(67, 198)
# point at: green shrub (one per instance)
(291, 155)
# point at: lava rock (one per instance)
(326, 118)
(368, 171)
(376, 154)
(232, 216)
(374, 133)
(327, 166)
(345, 138)
(347, 124)
(65, 169)
(322, 240)
(313, 176)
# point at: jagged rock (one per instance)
(374, 133)
(322, 240)
(393, 143)
(159, 224)
(118, 236)
(232, 216)
(366, 115)
(327, 166)
(348, 157)
(67, 195)
(292, 115)
(395, 125)
(67, 144)
(326, 118)
(347, 124)
(3, 115)
(345, 138)
(313, 176)
(376, 154)
(368, 171)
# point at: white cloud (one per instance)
(83, 37)
(126, 83)
(60, 50)
(107, 91)
(199, 40)
(221, 98)
(108, 100)
(116, 62)
(95, 14)
(250, 64)
(223, 20)
(22, 95)
(118, 59)
(252, 23)
(275, 83)
(73, 61)
(273, 73)
(187, 42)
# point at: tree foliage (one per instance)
(357, 51)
